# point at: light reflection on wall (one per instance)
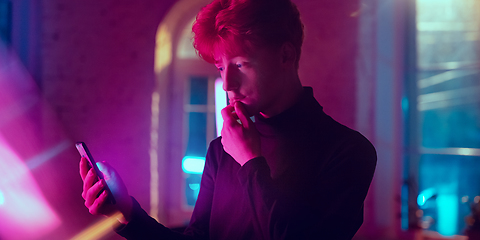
(24, 211)
(163, 57)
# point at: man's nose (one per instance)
(231, 79)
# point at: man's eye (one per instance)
(220, 69)
(239, 65)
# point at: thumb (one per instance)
(118, 189)
(112, 178)
(106, 169)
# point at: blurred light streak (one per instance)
(443, 77)
(443, 66)
(154, 176)
(98, 230)
(43, 157)
(447, 26)
(448, 98)
(24, 213)
(163, 49)
(163, 58)
(220, 103)
(193, 165)
(451, 151)
(450, 94)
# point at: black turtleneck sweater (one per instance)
(310, 183)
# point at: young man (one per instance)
(292, 173)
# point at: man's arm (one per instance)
(134, 222)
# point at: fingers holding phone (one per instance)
(85, 153)
(94, 191)
(103, 189)
(96, 197)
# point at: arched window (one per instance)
(183, 116)
(199, 111)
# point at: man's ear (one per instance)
(288, 53)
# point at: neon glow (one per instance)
(425, 195)
(2, 199)
(163, 50)
(194, 186)
(193, 165)
(98, 230)
(220, 103)
(47, 155)
(23, 211)
(163, 58)
(447, 206)
(154, 175)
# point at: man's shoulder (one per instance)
(349, 136)
(215, 150)
(216, 143)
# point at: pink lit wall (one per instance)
(97, 73)
(329, 55)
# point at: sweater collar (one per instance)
(301, 109)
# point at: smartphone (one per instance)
(84, 152)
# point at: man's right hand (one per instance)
(95, 195)
(240, 140)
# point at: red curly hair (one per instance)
(237, 25)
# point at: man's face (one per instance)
(252, 78)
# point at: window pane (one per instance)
(197, 142)
(198, 90)
(5, 21)
(457, 127)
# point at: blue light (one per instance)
(220, 103)
(194, 186)
(405, 104)
(2, 198)
(447, 214)
(193, 165)
(425, 195)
